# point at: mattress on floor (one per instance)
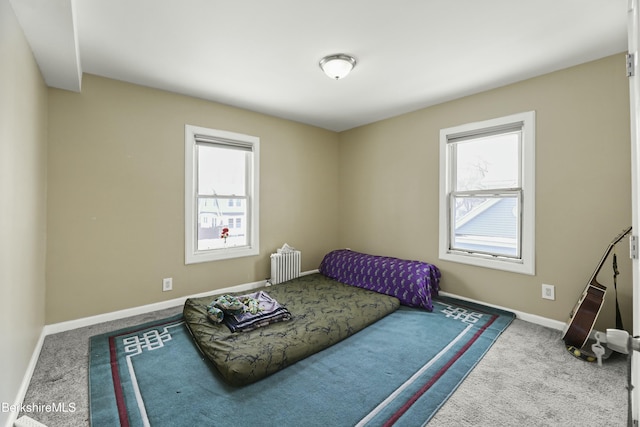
(323, 312)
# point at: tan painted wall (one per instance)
(389, 187)
(116, 196)
(23, 156)
(116, 189)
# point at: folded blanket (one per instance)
(269, 311)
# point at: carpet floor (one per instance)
(397, 371)
(526, 379)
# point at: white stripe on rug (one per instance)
(134, 380)
(411, 380)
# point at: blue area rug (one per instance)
(398, 371)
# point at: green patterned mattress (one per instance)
(323, 312)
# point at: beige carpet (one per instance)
(528, 378)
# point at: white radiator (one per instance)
(285, 266)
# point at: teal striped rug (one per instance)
(398, 371)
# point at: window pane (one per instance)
(488, 163)
(214, 214)
(221, 171)
(487, 225)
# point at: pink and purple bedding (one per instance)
(414, 283)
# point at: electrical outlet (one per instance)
(548, 292)
(167, 284)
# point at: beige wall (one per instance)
(116, 196)
(23, 122)
(116, 191)
(389, 180)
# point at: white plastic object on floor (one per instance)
(598, 350)
(25, 421)
(618, 340)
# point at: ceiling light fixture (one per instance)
(337, 66)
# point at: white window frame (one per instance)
(192, 254)
(525, 264)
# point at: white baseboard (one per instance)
(527, 317)
(143, 309)
(148, 308)
(26, 379)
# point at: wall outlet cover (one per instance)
(548, 292)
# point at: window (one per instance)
(487, 204)
(221, 189)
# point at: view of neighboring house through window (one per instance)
(221, 194)
(487, 195)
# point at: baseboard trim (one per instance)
(148, 308)
(143, 309)
(26, 379)
(527, 317)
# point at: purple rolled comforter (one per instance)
(412, 282)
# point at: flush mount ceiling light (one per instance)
(337, 66)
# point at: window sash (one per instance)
(225, 197)
(247, 203)
(247, 168)
(453, 146)
(453, 140)
(209, 238)
(524, 124)
(474, 244)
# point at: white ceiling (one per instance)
(263, 55)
